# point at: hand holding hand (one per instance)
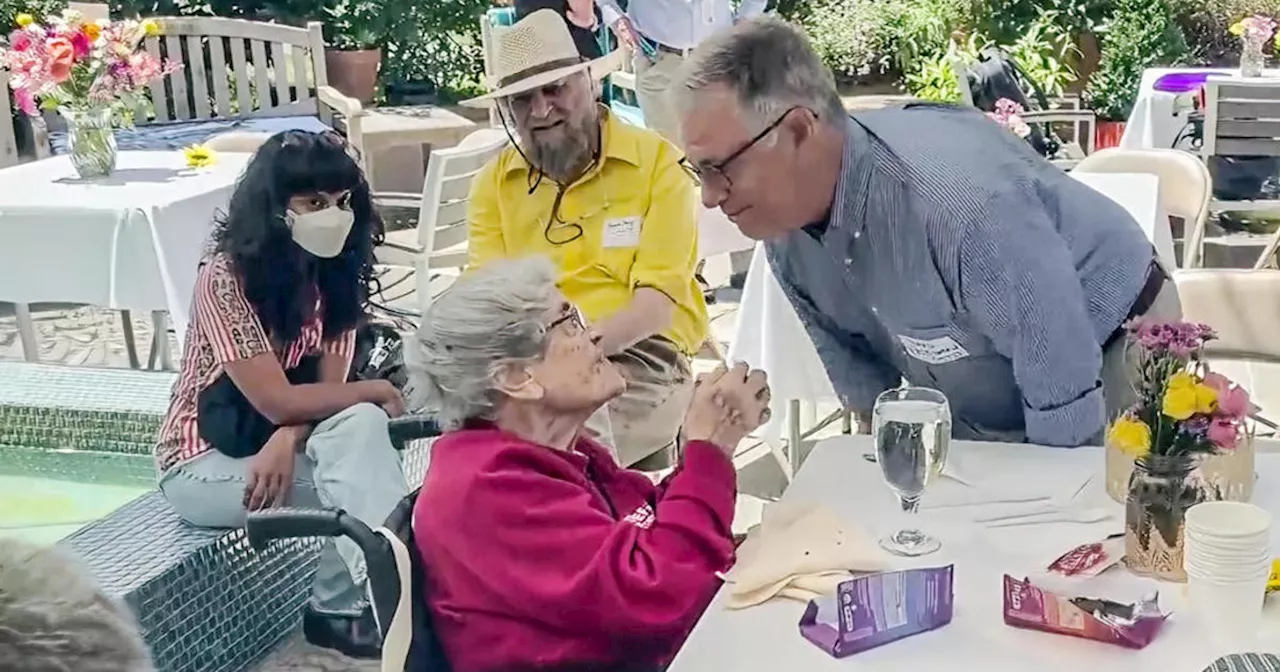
(727, 405)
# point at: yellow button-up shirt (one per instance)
(637, 209)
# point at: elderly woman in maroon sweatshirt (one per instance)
(541, 553)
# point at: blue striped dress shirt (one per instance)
(958, 258)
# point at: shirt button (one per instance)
(875, 310)
(857, 234)
(848, 261)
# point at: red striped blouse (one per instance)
(225, 328)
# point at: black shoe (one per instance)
(356, 637)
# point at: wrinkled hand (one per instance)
(626, 34)
(271, 471)
(727, 405)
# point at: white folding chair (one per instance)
(1185, 187)
(440, 239)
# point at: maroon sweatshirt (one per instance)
(537, 558)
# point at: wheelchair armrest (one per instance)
(287, 523)
(408, 428)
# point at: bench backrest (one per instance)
(1241, 119)
(234, 68)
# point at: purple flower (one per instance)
(1180, 339)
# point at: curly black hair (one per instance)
(278, 276)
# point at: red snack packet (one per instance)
(1090, 559)
(1128, 625)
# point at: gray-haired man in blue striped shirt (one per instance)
(925, 242)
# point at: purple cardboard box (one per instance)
(872, 610)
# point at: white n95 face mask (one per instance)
(323, 232)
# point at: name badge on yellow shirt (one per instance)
(622, 232)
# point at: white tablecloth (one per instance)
(1154, 122)
(766, 638)
(1139, 193)
(769, 335)
(128, 241)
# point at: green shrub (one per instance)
(849, 35)
(1141, 34)
(1043, 51)
(10, 9)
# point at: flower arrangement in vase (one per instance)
(1184, 414)
(1255, 32)
(1009, 114)
(92, 72)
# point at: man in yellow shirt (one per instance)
(612, 206)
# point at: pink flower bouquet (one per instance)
(68, 62)
(1009, 114)
(1183, 408)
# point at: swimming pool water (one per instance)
(44, 510)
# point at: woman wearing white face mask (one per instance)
(262, 414)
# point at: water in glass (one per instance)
(912, 431)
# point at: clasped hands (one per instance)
(727, 405)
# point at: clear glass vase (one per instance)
(91, 141)
(1252, 58)
(1161, 490)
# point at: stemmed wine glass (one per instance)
(911, 427)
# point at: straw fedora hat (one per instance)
(536, 51)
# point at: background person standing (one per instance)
(660, 34)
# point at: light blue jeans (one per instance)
(348, 463)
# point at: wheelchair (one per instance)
(395, 578)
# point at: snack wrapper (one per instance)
(1129, 625)
(1273, 581)
(869, 611)
(1088, 560)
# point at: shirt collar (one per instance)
(616, 143)
(849, 207)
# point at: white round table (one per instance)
(766, 638)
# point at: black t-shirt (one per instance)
(585, 39)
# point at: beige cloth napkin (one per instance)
(799, 551)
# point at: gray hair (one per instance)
(769, 64)
(54, 618)
(490, 318)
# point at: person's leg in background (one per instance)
(348, 463)
(646, 419)
(653, 82)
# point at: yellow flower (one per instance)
(1130, 435)
(91, 31)
(1182, 380)
(1179, 402)
(1237, 28)
(24, 20)
(150, 27)
(199, 156)
(1206, 398)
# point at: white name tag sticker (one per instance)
(622, 232)
(934, 350)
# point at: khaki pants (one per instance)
(653, 87)
(641, 425)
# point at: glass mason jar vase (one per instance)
(1161, 490)
(91, 140)
(1253, 58)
